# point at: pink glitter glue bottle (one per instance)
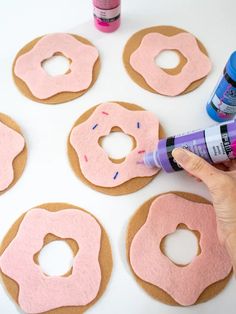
(106, 15)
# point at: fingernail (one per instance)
(180, 155)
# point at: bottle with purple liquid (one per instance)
(215, 144)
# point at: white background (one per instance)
(48, 176)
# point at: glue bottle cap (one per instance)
(150, 160)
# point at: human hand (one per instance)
(221, 182)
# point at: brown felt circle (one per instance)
(20, 160)
(135, 41)
(105, 259)
(128, 187)
(60, 97)
(136, 222)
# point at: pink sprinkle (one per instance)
(140, 163)
(106, 113)
(85, 158)
(141, 151)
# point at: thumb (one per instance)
(195, 165)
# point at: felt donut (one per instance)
(166, 281)
(13, 153)
(35, 83)
(92, 164)
(144, 46)
(77, 290)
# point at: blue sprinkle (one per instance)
(94, 127)
(138, 125)
(115, 176)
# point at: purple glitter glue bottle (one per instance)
(215, 144)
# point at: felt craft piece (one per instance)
(94, 162)
(38, 85)
(144, 46)
(173, 284)
(13, 153)
(38, 293)
(143, 61)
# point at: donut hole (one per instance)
(57, 65)
(181, 246)
(117, 144)
(56, 256)
(171, 61)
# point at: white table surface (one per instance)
(48, 176)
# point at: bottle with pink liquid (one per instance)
(106, 15)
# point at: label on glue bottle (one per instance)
(107, 16)
(218, 144)
(224, 98)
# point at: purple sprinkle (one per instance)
(138, 125)
(94, 127)
(115, 176)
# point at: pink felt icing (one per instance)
(83, 57)
(11, 144)
(95, 163)
(184, 284)
(37, 292)
(143, 61)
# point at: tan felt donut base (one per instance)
(20, 160)
(105, 259)
(135, 41)
(130, 186)
(136, 223)
(58, 98)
